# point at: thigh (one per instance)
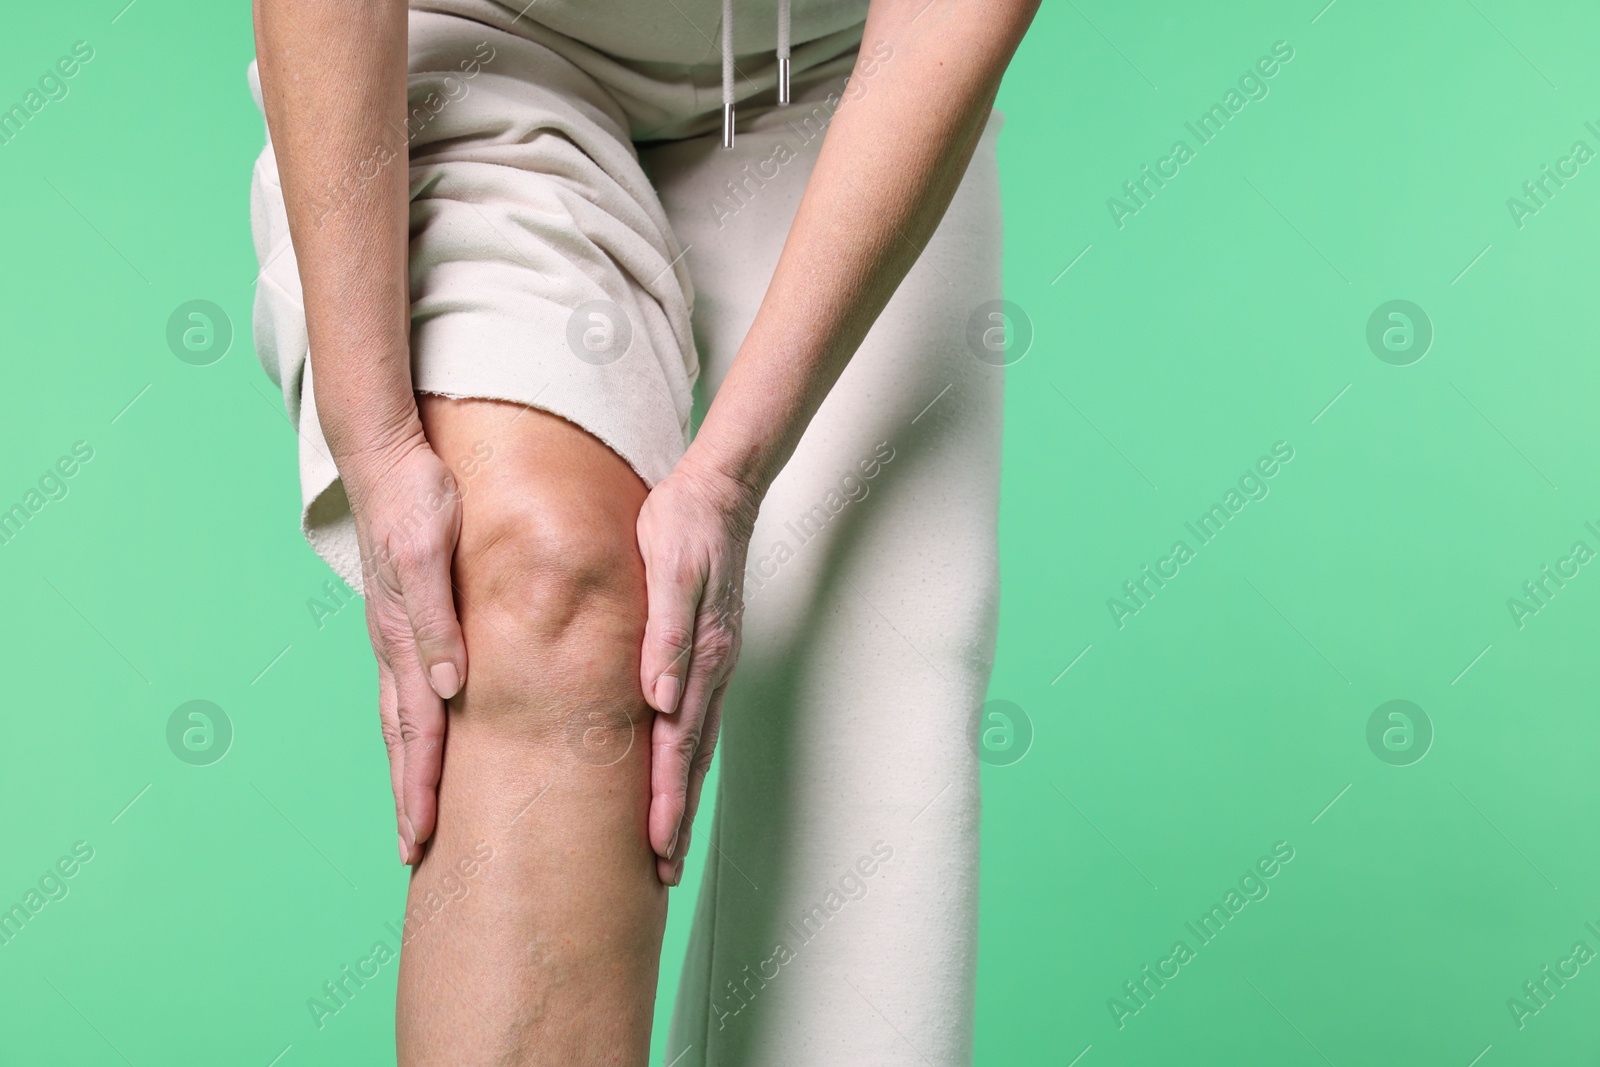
(542, 264)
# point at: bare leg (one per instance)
(534, 922)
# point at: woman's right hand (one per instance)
(334, 83)
(407, 509)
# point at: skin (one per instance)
(549, 955)
(590, 608)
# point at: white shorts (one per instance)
(544, 269)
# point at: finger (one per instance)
(672, 592)
(680, 740)
(382, 617)
(670, 869)
(424, 572)
(670, 872)
(673, 744)
(389, 724)
(421, 719)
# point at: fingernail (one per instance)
(668, 690)
(672, 846)
(408, 839)
(402, 843)
(446, 680)
(677, 874)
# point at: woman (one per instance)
(488, 225)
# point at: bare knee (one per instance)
(551, 596)
(549, 566)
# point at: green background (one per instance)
(1229, 714)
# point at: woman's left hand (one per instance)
(694, 532)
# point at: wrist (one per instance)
(365, 402)
(733, 490)
(365, 444)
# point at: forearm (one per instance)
(333, 78)
(891, 162)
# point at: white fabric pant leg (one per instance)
(837, 921)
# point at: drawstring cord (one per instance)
(727, 73)
(727, 64)
(783, 51)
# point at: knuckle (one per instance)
(700, 763)
(717, 648)
(671, 637)
(430, 624)
(412, 732)
(379, 575)
(725, 604)
(417, 552)
(380, 646)
(680, 751)
(680, 566)
(683, 747)
(389, 618)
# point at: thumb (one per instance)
(430, 605)
(672, 591)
